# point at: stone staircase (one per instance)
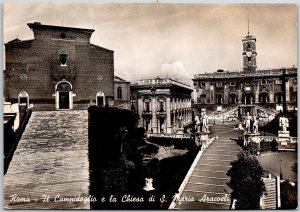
(51, 159)
(208, 178)
(269, 200)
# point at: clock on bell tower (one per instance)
(249, 52)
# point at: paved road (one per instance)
(208, 180)
(51, 159)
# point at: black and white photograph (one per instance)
(150, 106)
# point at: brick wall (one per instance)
(34, 66)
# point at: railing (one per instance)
(273, 72)
(175, 136)
(162, 82)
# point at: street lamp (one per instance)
(280, 162)
(214, 119)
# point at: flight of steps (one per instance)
(51, 159)
(269, 200)
(208, 179)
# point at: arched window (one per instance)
(161, 105)
(264, 98)
(278, 97)
(203, 99)
(147, 105)
(100, 99)
(23, 98)
(232, 98)
(219, 99)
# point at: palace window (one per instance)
(247, 82)
(161, 106)
(264, 82)
(119, 92)
(278, 82)
(147, 106)
(232, 83)
(219, 84)
(202, 84)
(133, 103)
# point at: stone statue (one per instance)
(149, 184)
(198, 123)
(204, 119)
(283, 123)
(255, 125)
(248, 123)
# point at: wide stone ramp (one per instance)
(51, 160)
(207, 183)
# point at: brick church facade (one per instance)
(58, 69)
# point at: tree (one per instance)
(246, 181)
(252, 147)
(289, 195)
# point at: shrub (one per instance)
(288, 195)
(274, 145)
(252, 147)
(246, 181)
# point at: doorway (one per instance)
(64, 100)
(64, 96)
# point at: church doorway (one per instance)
(64, 100)
(23, 98)
(100, 99)
(64, 95)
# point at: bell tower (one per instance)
(249, 52)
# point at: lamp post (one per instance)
(214, 119)
(280, 171)
(223, 119)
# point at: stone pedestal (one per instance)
(254, 137)
(204, 139)
(179, 131)
(283, 138)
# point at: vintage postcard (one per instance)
(150, 106)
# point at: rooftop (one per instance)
(237, 74)
(38, 25)
(161, 81)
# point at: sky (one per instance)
(170, 40)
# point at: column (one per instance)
(140, 110)
(154, 119)
(271, 93)
(168, 110)
(287, 91)
(257, 93)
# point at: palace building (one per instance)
(261, 92)
(58, 69)
(163, 104)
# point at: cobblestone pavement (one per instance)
(51, 159)
(208, 179)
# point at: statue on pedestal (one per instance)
(283, 123)
(198, 124)
(149, 184)
(248, 120)
(255, 125)
(204, 119)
